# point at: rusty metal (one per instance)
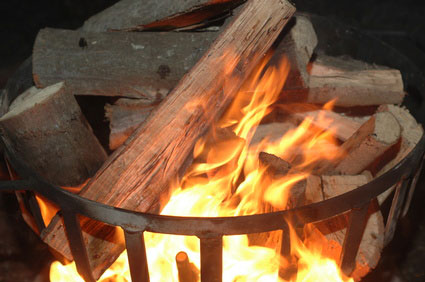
(353, 237)
(211, 230)
(136, 252)
(212, 259)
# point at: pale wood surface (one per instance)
(124, 116)
(369, 143)
(298, 45)
(350, 83)
(411, 133)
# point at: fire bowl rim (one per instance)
(205, 227)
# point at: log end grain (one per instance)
(46, 128)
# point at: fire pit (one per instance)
(210, 231)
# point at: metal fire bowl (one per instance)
(210, 231)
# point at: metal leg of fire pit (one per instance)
(395, 210)
(212, 259)
(289, 268)
(136, 252)
(353, 237)
(76, 243)
(412, 189)
(35, 210)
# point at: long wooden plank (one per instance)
(138, 171)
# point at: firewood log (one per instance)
(411, 133)
(271, 132)
(47, 129)
(350, 83)
(297, 45)
(128, 64)
(135, 174)
(343, 126)
(275, 169)
(331, 232)
(371, 141)
(124, 117)
(153, 14)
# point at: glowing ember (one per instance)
(225, 180)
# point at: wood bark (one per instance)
(153, 14)
(350, 83)
(370, 142)
(47, 129)
(124, 116)
(135, 174)
(331, 232)
(128, 64)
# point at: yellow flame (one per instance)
(227, 180)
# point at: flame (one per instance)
(226, 179)
(48, 209)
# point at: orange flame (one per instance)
(225, 180)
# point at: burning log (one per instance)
(128, 64)
(152, 14)
(47, 129)
(136, 173)
(332, 231)
(411, 133)
(124, 116)
(370, 142)
(276, 169)
(351, 83)
(271, 132)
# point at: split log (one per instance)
(271, 132)
(124, 116)
(153, 14)
(370, 142)
(350, 83)
(331, 232)
(136, 174)
(128, 64)
(47, 129)
(277, 174)
(298, 46)
(411, 133)
(275, 169)
(342, 126)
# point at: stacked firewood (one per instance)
(166, 88)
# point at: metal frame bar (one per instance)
(211, 230)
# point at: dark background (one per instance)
(400, 24)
